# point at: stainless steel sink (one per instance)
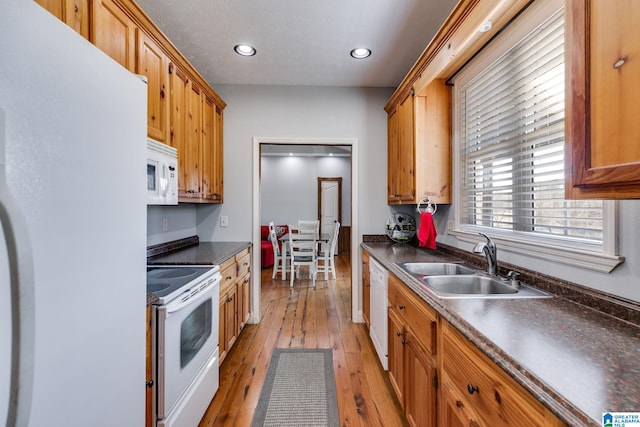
(478, 286)
(435, 268)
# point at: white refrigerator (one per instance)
(73, 234)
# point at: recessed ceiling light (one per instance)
(361, 53)
(244, 50)
(486, 26)
(291, 154)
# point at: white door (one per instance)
(329, 205)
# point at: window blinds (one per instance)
(512, 143)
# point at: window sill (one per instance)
(565, 255)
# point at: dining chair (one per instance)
(309, 226)
(280, 264)
(302, 252)
(326, 255)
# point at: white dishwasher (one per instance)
(378, 306)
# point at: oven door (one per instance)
(187, 339)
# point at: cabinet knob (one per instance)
(149, 384)
(399, 334)
(619, 63)
(471, 389)
(459, 404)
(401, 306)
(404, 341)
(229, 299)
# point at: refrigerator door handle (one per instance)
(22, 297)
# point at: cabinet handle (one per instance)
(229, 277)
(229, 299)
(401, 306)
(459, 404)
(149, 383)
(399, 334)
(404, 341)
(471, 389)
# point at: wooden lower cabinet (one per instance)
(453, 412)
(396, 355)
(235, 300)
(475, 391)
(442, 379)
(420, 383)
(412, 350)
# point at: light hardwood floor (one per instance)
(304, 317)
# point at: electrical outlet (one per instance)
(165, 224)
(224, 221)
(450, 225)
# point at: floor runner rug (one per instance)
(299, 390)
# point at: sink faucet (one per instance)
(490, 251)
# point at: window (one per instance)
(509, 133)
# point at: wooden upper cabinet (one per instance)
(400, 170)
(420, 147)
(114, 32)
(153, 63)
(603, 86)
(207, 149)
(178, 108)
(217, 192)
(74, 13)
(392, 155)
(193, 164)
(182, 109)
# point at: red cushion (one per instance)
(266, 250)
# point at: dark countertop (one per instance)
(577, 361)
(204, 253)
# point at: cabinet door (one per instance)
(406, 189)
(153, 63)
(420, 384)
(207, 148)
(602, 133)
(392, 157)
(396, 355)
(222, 328)
(113, 32)
(454, 412)
(74, 13)
(231, 316)
(244, 303)
(192, 172)
(178, 107)
(217, 192)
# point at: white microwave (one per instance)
(162, 174)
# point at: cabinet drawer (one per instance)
(480, 384)
(244, 263)
(229, 273)
(416, 314)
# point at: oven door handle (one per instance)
(198, 294)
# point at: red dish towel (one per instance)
(427, 232)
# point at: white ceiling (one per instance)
(301, 42)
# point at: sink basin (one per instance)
(435, 268)
(478, 286)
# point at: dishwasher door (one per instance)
(378, 311)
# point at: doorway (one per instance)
(258, 142)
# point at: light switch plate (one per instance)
(224, 221)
